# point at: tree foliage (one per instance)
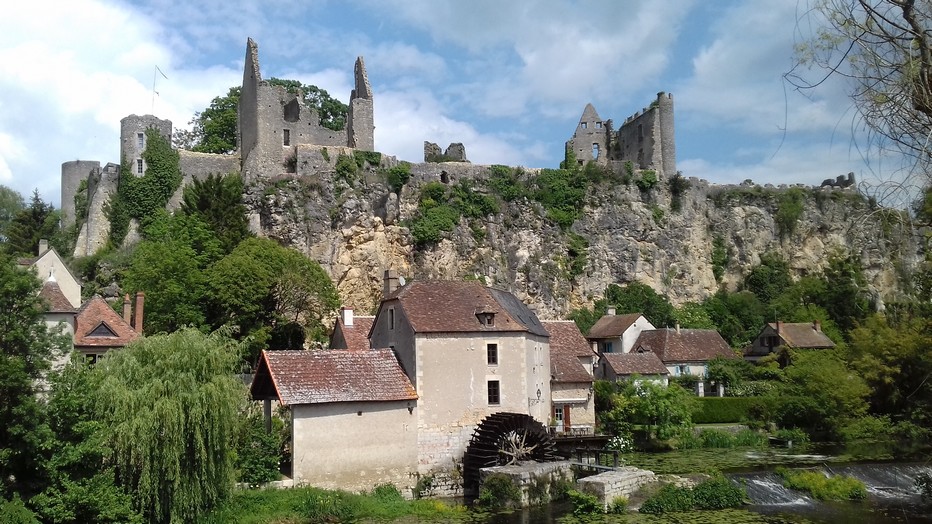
(39, 220)
(169, 404)
(218, 202)
(11, 203)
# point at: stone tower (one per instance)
(273, 121)
(133, 139)
(647, 137)
(72, 174)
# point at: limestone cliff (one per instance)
(355, 226)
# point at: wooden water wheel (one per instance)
(502, 439)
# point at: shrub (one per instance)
(647, 180)
(718, 410)
(15, 512)
(423, 486)
(797, 435)
(504, 182)
(821, 487)
(717, 493)
(498, 491)
(387, 493)
(719, 257)
(398, 176)
(618, 506)
(584, 503)
(257, 454)
(669, 499)
(789, 210)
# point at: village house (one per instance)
(470, 351)
(99, 329)
(353, 415)
(617, 333)
(351, 331)
(778, 335)
(628, 366)
(571, 367)
(685, 351)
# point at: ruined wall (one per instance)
(360, 122)
(591, 139)
(96, 230)
(133, 138)
(647, 137)
(198, 166)
(72, 173)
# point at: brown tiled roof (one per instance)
(684, 345)
(803, 335)
(611, 326)
(53, 297)
(94, 313)
(640, 363)
(452, 306)
(317, 377)
(357, 335)
(566, 346)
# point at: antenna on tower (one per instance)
(154, 92)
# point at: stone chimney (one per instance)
(611, 311)
(389, 282)
(817, 325)
(43, 246)
(677, 328)
(127, 311)
(347, 314)
(779, 326)
(137, 320)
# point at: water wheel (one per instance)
(502, 439)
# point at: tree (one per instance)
(641, 298)
(11, 203)
(29, 225)
(261, 287)
(218, 202)
(169, 405)
(770, 278)
(883, 48)
(667, 410)
(26, 347)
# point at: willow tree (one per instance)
(170, 405)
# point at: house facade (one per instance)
(571, 366)
(617, 333)
(626, 366)
(469, 351)
(99, 329)
(354, 416)
(778, 335)
(685, 351)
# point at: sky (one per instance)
(508, 79)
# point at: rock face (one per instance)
(356, 228)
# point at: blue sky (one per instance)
(509, 79)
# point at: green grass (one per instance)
(312, 505)
(838, 487)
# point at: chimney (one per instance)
(43, 246)
(779, 326)
(611, 311)
(347, 314)
(677, 328)
(127, 312)
(389, 282)
(137, 321)
(817, 325)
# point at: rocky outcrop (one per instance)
(356, 229)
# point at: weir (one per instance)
(886, 483)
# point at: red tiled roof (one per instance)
(630, 363)
(53, 297)
(611, 326)
(92, 314)
(566, 346)
(317, 377)
(452, 306)
(803, 335)
(357, 335)
(684, 345)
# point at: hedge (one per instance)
(718, 410)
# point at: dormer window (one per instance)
(486, 318)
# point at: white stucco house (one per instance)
(617, 333)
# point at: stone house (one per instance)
(99, 329)
(625, 366)
(777, 335)
(685, 351)
(617, 333)
(470, 351)
(49, 266)
(354, 416)
(571, 368)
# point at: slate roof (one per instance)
(802, 335)
(54, 299)
(317, 377)
(92, 314)
(684, 345)
(439, 306)
(640, 363)
(566, 346)
(357, 335)
(612, 326)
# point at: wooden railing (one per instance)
(579, 430)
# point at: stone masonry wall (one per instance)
(610, 485)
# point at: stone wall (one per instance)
(133, 138)
(535, 479)
(610, 485)
(72, 174)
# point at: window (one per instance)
(771, 341)
(607, 347)
(286, 137)
(595, 151)
(584, 125)
(138, 166)
(491, 351)
(391, 318)
(495, 394)
(598, 125)
(682, 369)
(140, 141)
